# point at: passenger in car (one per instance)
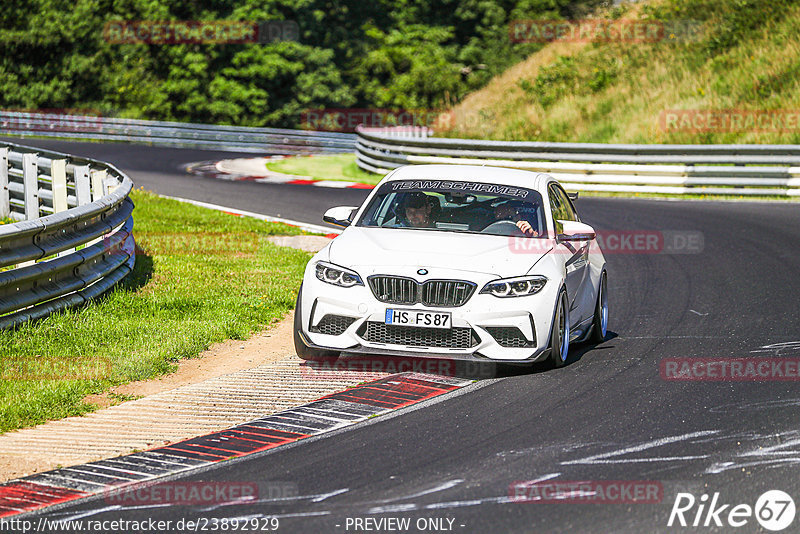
(521, 214)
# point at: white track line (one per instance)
(303, 226)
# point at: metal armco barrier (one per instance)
(74, 236)
(671, 169)
(175, 134)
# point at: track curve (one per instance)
(607, 415)
(160, 170)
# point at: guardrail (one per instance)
(670, 169)
(73, 239)
(175, 134)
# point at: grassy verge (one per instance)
(201, 277)
(334, 167)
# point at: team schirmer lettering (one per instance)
(474, 187)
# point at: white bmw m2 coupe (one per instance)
(455, 261)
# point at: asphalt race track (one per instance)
(607, 416)
(159, 169)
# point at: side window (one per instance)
(556, 206)
(566, 204)
(379, 212)
(383, 211)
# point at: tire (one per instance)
(559, 333)
(304, 351)
(600, 322)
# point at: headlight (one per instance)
(515, 287)
(338, 276)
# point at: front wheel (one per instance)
(304, 351)
(600, 323)
(559, 335)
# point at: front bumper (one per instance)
(417, 352)
(485, 328)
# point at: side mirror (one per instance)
(576, 231)
(340, 216)
(573, 196)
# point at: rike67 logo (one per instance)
(774, 510)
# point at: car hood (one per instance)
(379, 247)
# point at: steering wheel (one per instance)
(508, 228)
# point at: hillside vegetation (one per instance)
(746, 57)
(397, 54)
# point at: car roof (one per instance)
(473, 173)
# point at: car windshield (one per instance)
(456, 206)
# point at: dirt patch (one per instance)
(230, 383)
(220, 359)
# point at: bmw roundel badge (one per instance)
(422, 272)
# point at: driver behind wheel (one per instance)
(516, 212)
(419, 212)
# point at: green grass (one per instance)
(335, 167)
(201, 277)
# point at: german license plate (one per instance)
(422, 319)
